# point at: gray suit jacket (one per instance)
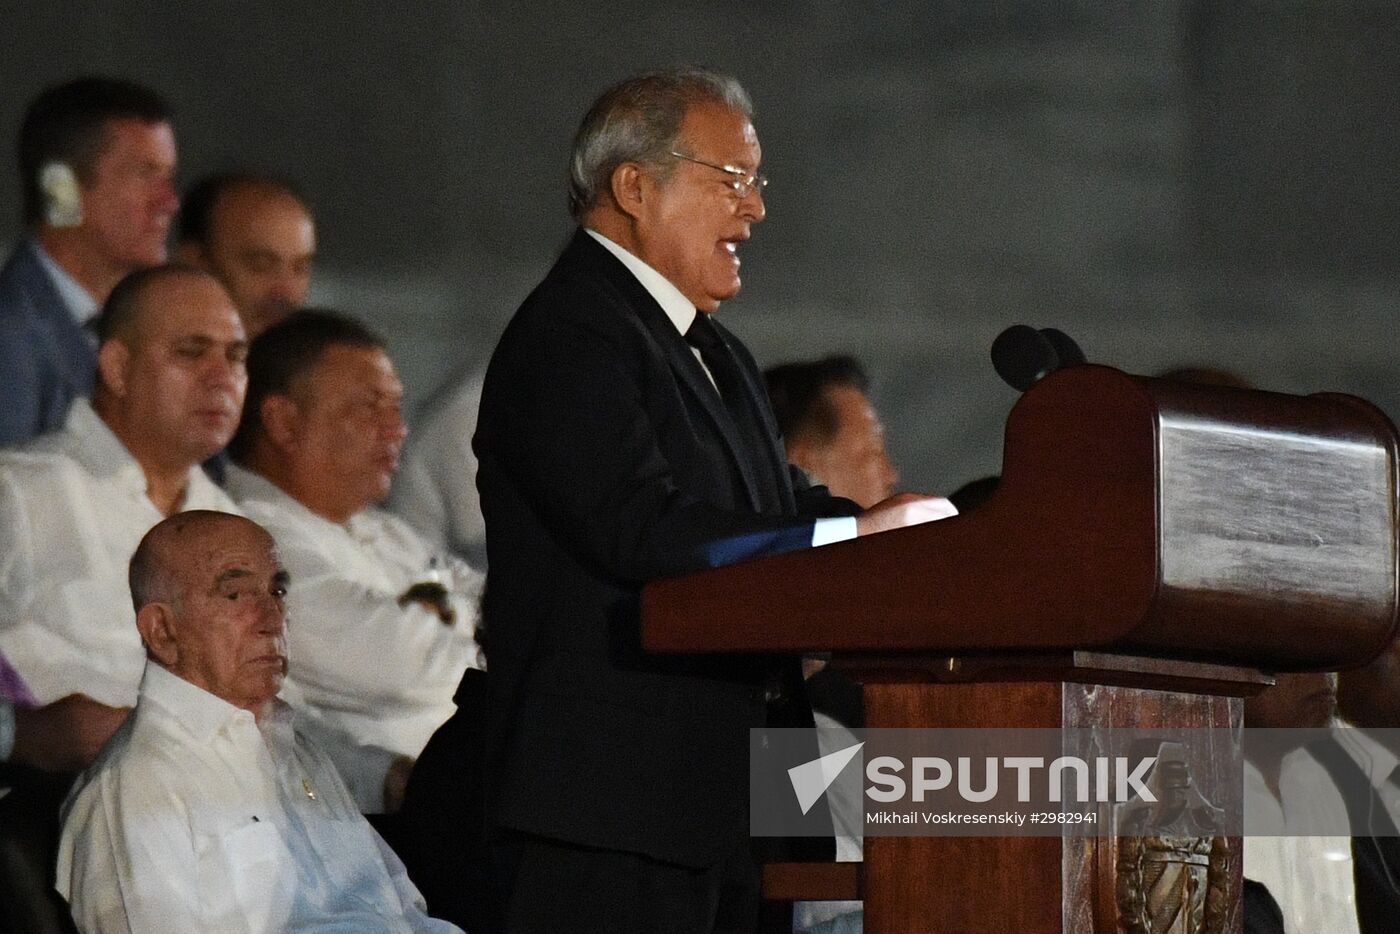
(45, 358)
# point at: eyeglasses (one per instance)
(743, 183)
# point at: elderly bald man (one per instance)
(208, 810)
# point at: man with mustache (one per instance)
(75, 503)
(210, 811)
(383, 624)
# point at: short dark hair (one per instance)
(123, 305)
(197, 207)
(798, 394)
(281, 355)
(68, 123)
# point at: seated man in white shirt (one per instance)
(209, 811)
(74, 503)
(384, 626)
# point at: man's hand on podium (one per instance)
(903, 509)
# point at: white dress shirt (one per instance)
(435, 489)
(73, 508)
(1311, 877)
(78, 300)
(681, 312)
(375, 679)
(196, 818)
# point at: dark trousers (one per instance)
(560, 888)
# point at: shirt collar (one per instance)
(244, 484)
(80, 303)
(99, 449)
(678, 308)
(102, 454)
(194, 708)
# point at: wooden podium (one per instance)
(1152, 550)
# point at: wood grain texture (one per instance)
(992, 885)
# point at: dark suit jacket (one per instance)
(607, 461)
(1375, 847)
(45, 358)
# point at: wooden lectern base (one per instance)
(1046, 885)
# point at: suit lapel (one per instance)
(73, 353)
(676, 351)
(757, 396)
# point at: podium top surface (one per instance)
(1134, 514)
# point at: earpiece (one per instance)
(63, 200)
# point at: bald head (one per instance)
(208, 589)
(172, 548)
(171, 371)
(127, 311)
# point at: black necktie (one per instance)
(738, 402)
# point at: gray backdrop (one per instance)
(1170, 182)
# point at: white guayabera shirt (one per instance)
(374, 679)
(196, 818)
(73, 508)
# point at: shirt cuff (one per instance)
(7, 730)
(835, 529)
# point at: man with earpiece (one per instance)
(97, 164)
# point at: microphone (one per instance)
(1022, 356)
(1068, 351)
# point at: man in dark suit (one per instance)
(97, 162)
(625, 437)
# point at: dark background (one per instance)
(1169, 182)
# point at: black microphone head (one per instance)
(1022, 355)
(1065, 347)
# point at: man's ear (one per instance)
(156, 623)
(113, 359)
(626, 185)
(281, 419)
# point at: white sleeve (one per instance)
(357, 649)
(129, 866)
(834, 529)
